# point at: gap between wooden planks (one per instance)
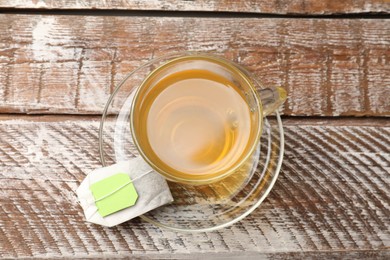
(249, 6)
(331, 198)
(70, 64)
(289, 120)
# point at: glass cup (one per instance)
(259, 105)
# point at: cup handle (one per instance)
(272, 98)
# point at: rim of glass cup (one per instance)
(281, 146)
(221, 62)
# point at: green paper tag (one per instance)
(113, 194)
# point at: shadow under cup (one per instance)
(212, 69)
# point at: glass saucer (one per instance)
(195, 208)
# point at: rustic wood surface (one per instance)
(251, 6)
(70, 64)
(331, 199)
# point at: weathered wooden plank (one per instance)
(70, 64)
(331, 199)
(251, 6)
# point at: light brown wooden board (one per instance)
(70, 64)
(331, 198)
(252, 6)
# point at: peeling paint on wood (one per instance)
(251, 6)
(331, 199)
(70, 64)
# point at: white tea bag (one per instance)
(117, 193)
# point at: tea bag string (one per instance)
(122, 186)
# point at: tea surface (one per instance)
(195, 122)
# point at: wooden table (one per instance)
(60, 60)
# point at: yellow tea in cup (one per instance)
(195, 118)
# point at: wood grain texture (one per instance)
(251, 6)
(331, 199)
(70, 64)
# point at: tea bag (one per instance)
(117, 193)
